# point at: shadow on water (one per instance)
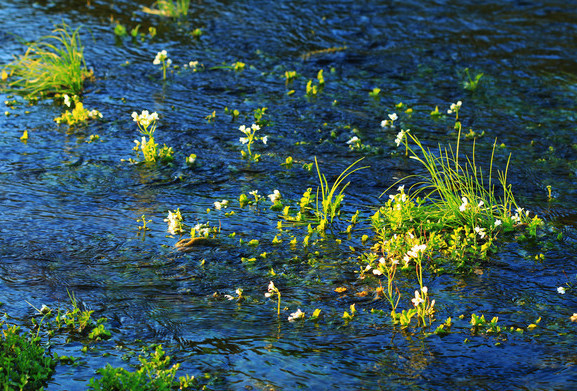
(69, 208)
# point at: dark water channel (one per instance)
(68, 208)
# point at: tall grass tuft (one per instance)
(52, 65)
(331, 197)
(456, 191)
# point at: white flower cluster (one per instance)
(414, 253)
(399, 198)
(202, 229)
(161, 57)
(454, 107)
(271, 290)
(296, 315)
(174, 220)
(192, 65)
(400, 136)
(518, 217)
(391, 121)
(220, 205)
(145, 118)
(275, 196)
(418, 298)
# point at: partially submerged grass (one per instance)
(52, 65)
(458, 193)
(330, 199)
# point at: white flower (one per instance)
(385, 123)
(464, 205)
(271, 289)
(481, 203)
(253, 193)
(160, 56)
(255, 127)
(354, 140)
(145, 118)
(393, 117)
(414, 252)
(221, 204)
(168, 62)
(561, 290)
(454, 107)
(66, 100)
(173, 219)
(400, 189)
(296, 315)
(377, 272)
(418, 299)
(243, 140)
(274, 197)
(480, 232)
(400, 137)
(264, 140)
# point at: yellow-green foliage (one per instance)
(78, 114)
(52, 65)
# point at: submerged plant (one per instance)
(169, 8)
(312, 89)
(52, 65)
(472, 84)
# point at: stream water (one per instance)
(68, 208)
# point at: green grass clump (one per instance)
(24, 364)
(52, 65)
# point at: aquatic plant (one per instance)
(330, 201)
(273, 291)
(451, 215)
(154, 374)
(78, 114)
(391, 121)
(174, 220)
(161, 58)
(312, 89)
(147, 126)
(52, 65)
(143, 228)
(250, 138)
(24, 363)
(472, 84)
(169, 8)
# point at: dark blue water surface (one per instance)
(68, 208)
